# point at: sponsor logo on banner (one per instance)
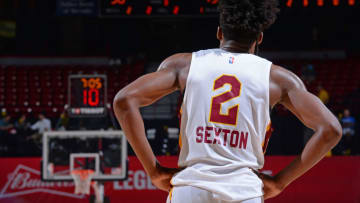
(25, 180)
(20, 181)
(137, 180)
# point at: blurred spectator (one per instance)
(63, 122)
(5, 125)
(41, 126)
(323, 94)
(348, 125)
(21, 125)
(22, 130)
(308, 73)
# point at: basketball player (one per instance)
(225, 114)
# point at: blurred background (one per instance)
(44, 43)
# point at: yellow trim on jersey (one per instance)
(180, 141)
(268, 127)
(170, 194)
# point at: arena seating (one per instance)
(36, 89)
(44, 88)
(339, 77)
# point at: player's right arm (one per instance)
(287, 89)
(144, 91)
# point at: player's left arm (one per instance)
(288, 90)
(143, 92)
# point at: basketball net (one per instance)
(82, 179)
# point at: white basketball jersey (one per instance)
(225, 116)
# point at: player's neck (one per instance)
(236, 47)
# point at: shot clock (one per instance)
(87, 95)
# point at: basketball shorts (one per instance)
(189, 194)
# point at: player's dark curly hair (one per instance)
(244, 20)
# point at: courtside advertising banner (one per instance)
(333, 180)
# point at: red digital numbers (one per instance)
(129, 10)
(230, 118)
(91, 95)
(212, 1)
(176, 10)
(320, 3)
(118, 2)
(289, 3)
(305, 3)
(148, 10)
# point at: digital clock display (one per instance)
(128, 8)
(87, 95)
(147, 8)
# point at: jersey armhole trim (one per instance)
(184, 93)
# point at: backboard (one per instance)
(104, 152)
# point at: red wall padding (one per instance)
(333, 180)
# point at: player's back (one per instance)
(225, 116)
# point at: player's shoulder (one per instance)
(285, 78)
(178, 58)
(176, 61)
(283, 81)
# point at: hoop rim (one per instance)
(83, 173)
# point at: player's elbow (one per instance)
(122, 101)
(333, 132)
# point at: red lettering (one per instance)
(199, 134)
(243, 140)
(207, 134)
(226, 132)
(217, 136)
(236, 135)
(238, 139)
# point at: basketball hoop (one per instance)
(82, 179)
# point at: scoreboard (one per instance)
(144, 8)
(87, 95)
(157, 7)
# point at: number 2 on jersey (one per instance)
(230, 118)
